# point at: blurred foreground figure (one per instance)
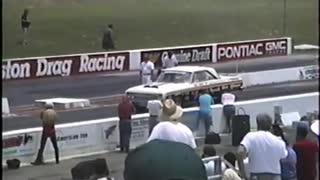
(164, 160)
(307, 152)
(48, 117)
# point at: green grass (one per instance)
(75, 26)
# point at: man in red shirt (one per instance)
(125, 111)
(307, 152)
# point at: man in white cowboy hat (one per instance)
(170, 128)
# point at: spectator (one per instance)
(146, 71)
(264, 151)
(164, 160)
(154, 107)
(172, 130)
(307, 152)
(230, 172)
(169, 61)
(108, 38)
(288, 164)
(229, 109)
(211, 169)
(48, 117)
(205, 111)
(25, 24)
(125, 111)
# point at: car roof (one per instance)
(188, 68)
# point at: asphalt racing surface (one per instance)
(25, 92)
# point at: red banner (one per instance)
(252, 49)
(71, 65)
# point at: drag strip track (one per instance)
(273, 90)
(25, 92)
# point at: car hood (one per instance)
(158, 88)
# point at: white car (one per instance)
(182, 83)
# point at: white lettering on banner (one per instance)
(101, 64)
(198, 56)
(76, 137)
(19, 145)
(52, 68)
(140, 131)
(276, 47)
(15, 70)
(194, 56)
(245, 50)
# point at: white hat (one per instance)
(171, 110)
(315, 127)
(48, 105)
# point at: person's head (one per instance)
(208, 151)
(302, 131)
(231, 158)
(264, 122)
(110, 26)
(203, 91)
(172, 111)
(125, 99)
(170, 54)
(25, 11)
(48, 105)
(164, 160)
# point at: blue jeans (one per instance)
(206, 117)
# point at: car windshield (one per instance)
(174, 77)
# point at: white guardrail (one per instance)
(107, 62)
(96, 136)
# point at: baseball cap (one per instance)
(164, 160)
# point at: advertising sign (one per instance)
(20, 145)
(309, 72)
(140, 131)
(110, 134)
(65, 65)
(252, 49)
(76, 137)
(184, 55)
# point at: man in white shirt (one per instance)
(169, 61)
(154, 107)
(264, 151)
(229, 109)
(172, 130)
(146, 71)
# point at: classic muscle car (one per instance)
(182, 83)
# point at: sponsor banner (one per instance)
(188, 55)
(76, 137)
(309, 72)
(110, 134)
(44, 67)
(20, 145)
(252, 49)
(140, 131)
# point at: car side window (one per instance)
(203, 76)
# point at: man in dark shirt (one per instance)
(307, 152)
(125, 111)
(25, 23)
(108, 38)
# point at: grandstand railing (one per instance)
(218, 169)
